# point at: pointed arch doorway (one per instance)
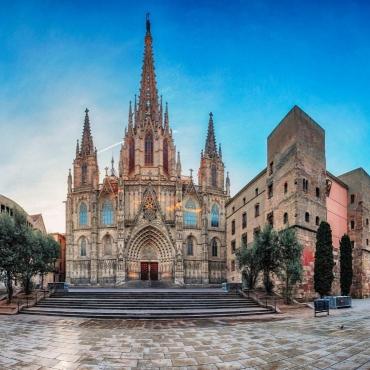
(150, 256)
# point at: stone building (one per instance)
(296, 190)
(358, 182)
(148, 221)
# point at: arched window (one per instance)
(83, 214)
(165, 156)
(107, 213)
(190, 246)
(190, 213)
(215, 216)
(214, 175)
(285, 188)
(307, 217)
(131, 155)
(214, 248)
(84, 173)
(83, 247)
(149, 149)
(317, 222)
(285, 218)
(107, 245)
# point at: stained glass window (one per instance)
(190, 245)
(83, 214)
(190, 213)
(214, 248)
(83, 244)
(215, 216)
(107, 213)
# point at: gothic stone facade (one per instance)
(147, 221)
(296, 190)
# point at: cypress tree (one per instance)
(324, 260)
(346, 272)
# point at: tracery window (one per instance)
(83, 214)
(131, 156)
(149, 149)
(215, 216)
(190, 213)
(84, 173)
(214, 175)
(107, 245)
(83, 247)
(190, 246)
(107, 213)
(165, 156)
(214, 248)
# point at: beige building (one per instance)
(147, 221)
(296, 190)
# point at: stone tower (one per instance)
(211, 170)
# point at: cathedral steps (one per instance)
(147, 304)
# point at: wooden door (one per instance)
(153, 270)
(144, 271)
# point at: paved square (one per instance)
(40, 342)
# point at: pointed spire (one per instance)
(148, 99)
(227, 184)
(166, 119)
(77, 148)
(87, 146)
(219, 150)
(112, 171)
(69, 181)
(210, 147)
(130, 120)
(178, 165)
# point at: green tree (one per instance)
(249, 265)
(13, 236)
(290, 270)
(346, 272)
(324, 261)
(268, 254)
(48, 255)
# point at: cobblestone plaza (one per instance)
(29, 342)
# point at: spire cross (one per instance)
(86, 111)
(191, 172)
(106, 170)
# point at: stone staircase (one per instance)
(147, 304)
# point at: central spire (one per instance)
(148, 100)
(87, 146)
(210, 147)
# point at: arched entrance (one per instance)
(150, 256)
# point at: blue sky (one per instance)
(248, 62)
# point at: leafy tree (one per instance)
(346, 272)
(48, 255)
(268, 254)
(324, 261)
(290, 264)
(13, 236)
(249, 265)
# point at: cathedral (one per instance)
(148, 221)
